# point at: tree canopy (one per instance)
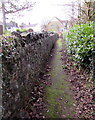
(14, 6)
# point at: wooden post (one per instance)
(1, 29)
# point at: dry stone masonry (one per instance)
(23, 58)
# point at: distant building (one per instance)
(29, 26)
(58, 25)
(11, 26)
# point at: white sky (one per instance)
(46, 9)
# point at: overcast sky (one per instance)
(46, 9)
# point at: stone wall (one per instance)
(23, 59)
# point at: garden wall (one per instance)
(23, 59)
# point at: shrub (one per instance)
(21, 30)
(7, 33)
(81, 43)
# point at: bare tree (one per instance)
(72, 12)
(84, 8)
(87, 12)
(14, 6)
(44, 24)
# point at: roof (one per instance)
(29, 25)
(11, 24)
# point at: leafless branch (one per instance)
(15, 8)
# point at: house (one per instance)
(54, 26)
(11, 26)
(57, 25)
(35, 26)
(1, 28)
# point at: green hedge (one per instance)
(21, 30)
(81, 43)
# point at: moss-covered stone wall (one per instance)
(23, 58)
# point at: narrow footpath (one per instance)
(59, 97)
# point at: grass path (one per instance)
(58, 96)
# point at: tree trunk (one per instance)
(79, 11)
(4, 16)
(93, 55)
